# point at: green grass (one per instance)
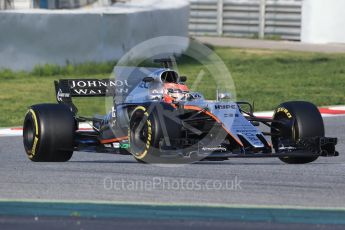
(271, 77)
(266, 77)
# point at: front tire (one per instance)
(48, 133)
(301, 120)
(148, 131)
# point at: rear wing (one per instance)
(127, 78)
(65, 89)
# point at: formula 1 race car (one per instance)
(157, 119)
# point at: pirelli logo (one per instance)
(284, 110)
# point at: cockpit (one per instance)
(169, 77)
(173, 90)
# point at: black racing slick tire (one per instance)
(300, 120)
(48, 133)
(147, 132)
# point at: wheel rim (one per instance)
(29, 135)
(288, 131)
(138, 136)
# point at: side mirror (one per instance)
(224, 96)
(183, 78)
(148, 79)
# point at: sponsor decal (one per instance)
(212, 149)
(233, 106)
(97, 87)
(124, 146)
(230, 115)
(149, 132)
(97, 83)
(113, 112)
(284, 110)
(143, 85)
(249, 134)
(33, 151)
(61, 95)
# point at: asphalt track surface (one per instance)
(237, 183)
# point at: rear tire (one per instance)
(301, 120)
(48, 133)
